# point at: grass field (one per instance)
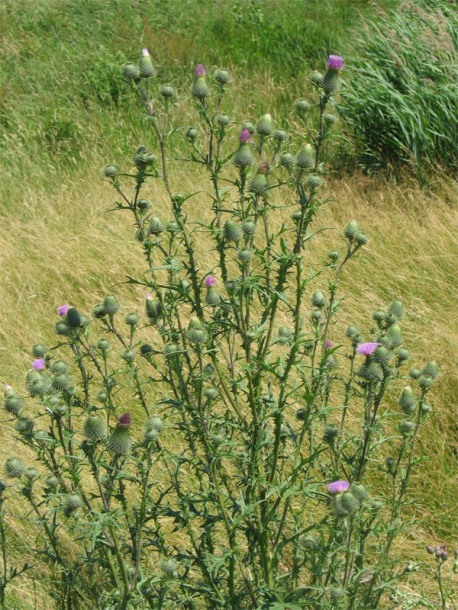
(65, 113)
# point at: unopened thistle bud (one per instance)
(430, 370)
(232, 231)
(333, 255)
(245, 255)
(330, 82)
(14, 468)
(200, 88)
(94, 428)
(393, 337)
(23, 425)
(280, 135)
(154, 426)
(61, 382)
(99, 311)
(223, 120)
(131, 319)
(396, 309)
(192, 134)
(167, 91)
(330, 433)
(382, 355)
(111, 305)
(222, 77)
(360, 492)
(12, 402)
(249, 228)
(169, 567)
(329, 118)
(265, 127)
(403, 354)
(316, 78)
(243, 157)
(318, 299)
(146, 65)
(258, 184)
(313, 181)
(361, 239)
(103, 345)
(71, 504)
(351, 230)
(170, 349)
(306, 157)
(38, 350)
(130, 71)
(407, 400)
(285, 335)
(371, 371)
(154, 308)
(288, 161)
(406, 427)
(155, 226)
(129, 356)
(425, 382)
(118, 443)
(302, 107)
(211, 393)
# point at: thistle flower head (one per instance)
(148, 296)
(338, 487)
(245, 136)
(125, 421)
(367, 349)
(38, 364)
(199, 70)
(335, 62)
(210, 281)
(62, 310)
(8, 388)
(328, 344)
(145, 53)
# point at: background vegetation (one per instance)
(65, 112)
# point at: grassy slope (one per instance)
(60, 123)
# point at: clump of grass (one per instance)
(400, 98)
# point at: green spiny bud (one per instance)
(24, 425)
(223, 120)
(99, 311)
(407, 400)
(156, 227)
(330, 82)
(287, 160)
(351, 230)
(154, 309)
(425, 382)
(130, 71)
(338, 507)
(258, 184)
(430, 370)
(249, 125)
(14, 468)
(94, 428)
(172, 227)
(59, 367)
(170, 349)
(111, 305)
(243, 157)
(154, 426)
(349, 502)
(306, 157)
(403, 354)
(13, 403)
(382, 355)
(73, 318)
(406, 427)
(378, 315)
(371, 371)
(51, 481)
(169, 567)
(118, 443)
(265, 127)
(414, 373)
(31, 473)
(333, 255)
(360, 492)
(222, 77)
(396, 308)
(197, 336)
(131, 319)
(331, 432)
(302, 107)
(393, 337)
(129, 355)
(71, 503)
(296, 216)
(361, 239)
(211, 393)
(316, 78)
(313, 181)
(103, 345)
(191, 134)
(285, 335)
(329, 118)
(280, 135)
(249, 228)
(143, 204)
(232, 231)
(146, 65)
(146, 349)
(38, 350)
(318, 299)
(167, 91)
(61, 382)
(426, 409)
(336, 594)
(316, 316)
(245, 256)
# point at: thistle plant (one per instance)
(198, 452)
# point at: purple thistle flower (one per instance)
(125, 421)
(328, 344)
(367, 349)
(338, 487)
(62, 310)
(145, 53)
(148, 296)
(335, 62)
(200, 70)
(39, 364)
(210, 281)
(245, 136)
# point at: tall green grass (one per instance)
(401, 95)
